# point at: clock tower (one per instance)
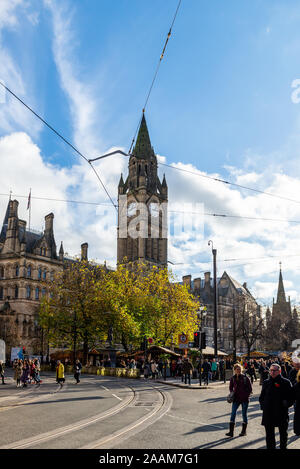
(142, 201)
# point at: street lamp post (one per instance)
(214, 253)
(201, 314)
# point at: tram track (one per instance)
(62, 431)
(159, 410)
(156, 401)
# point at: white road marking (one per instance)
(117, 397)
(198, 423)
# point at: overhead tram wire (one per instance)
(62, 138)
(155, 75)
(215, 215)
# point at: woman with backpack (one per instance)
(240, 389)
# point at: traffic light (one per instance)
(203, 340)
(197, 339)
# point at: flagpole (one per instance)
(29, 206)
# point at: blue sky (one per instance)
(221, 106)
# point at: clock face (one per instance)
(131, 209)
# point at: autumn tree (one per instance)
(72, 313)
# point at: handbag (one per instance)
(230, 397)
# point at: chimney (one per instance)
(13, 209)
(197, 284)
(187, 280)
(49, 222)
(207, 281)
(84, 252)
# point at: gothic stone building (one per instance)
(282, 324)
(235, 302)
(142, 223)
(28, 261)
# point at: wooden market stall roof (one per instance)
(210, 351)
(157, 348)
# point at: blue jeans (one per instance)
(235, 406)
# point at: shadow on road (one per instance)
(65, 400)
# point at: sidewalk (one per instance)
(194, 383)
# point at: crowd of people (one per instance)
(280, 381)
(27, 372)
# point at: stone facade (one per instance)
(28, 262)
(281, 320)
(142, 207)
(235, 302)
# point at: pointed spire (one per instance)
(121, 182)
(61, 252)
(143, 148)
(164, 182)
(5, 221)
(280, 293)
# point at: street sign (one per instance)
(183, 339)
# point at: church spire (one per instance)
(280, 293)
(143, 148)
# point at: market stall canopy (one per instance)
(255, 354)
(157, 348)
(211, 351)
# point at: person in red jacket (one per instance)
(241, 386)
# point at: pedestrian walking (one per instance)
(214, 369)
(154, 369)
(206, 371)
(60, 373)
(240, 389)
(77, 371)
(25, 373)
(263, 372)
(251, 372)
(146, 370)
(37, 371)
(276, 397)
(187, 370)
(2, 371)
(296, 389)
(18, 372)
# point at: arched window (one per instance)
(1, 293)
(17, 270)
(37, 293)
(16, 291)
(29, 271)
(39, 273)
(45, 274)
(28, 292)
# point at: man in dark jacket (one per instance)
(275, 399)
(187, 370)
(206, 371)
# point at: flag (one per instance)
(29, 200)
